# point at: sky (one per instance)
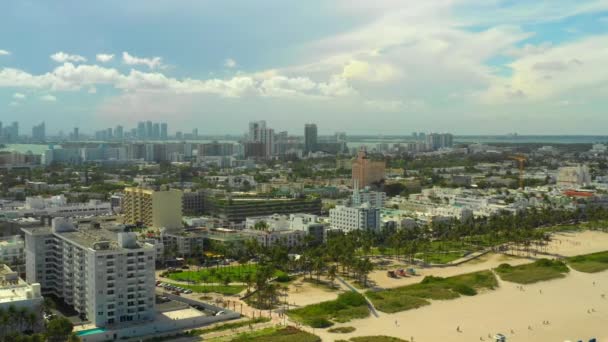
(359, 66)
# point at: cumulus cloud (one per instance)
(70, 77)
(19, 96)
(230, 63)
(558, 70)
(104, 57)
(151, 63)
(62, 57)
(4, 52)
(48, 98)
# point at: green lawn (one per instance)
(589, 263)
(349, 305)
(288, 334)
(540, 270)
(437, 288)
(216, 274)
(227, 290)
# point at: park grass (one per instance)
(540, 270)
(431, 288)
(216, 274)
(589, 263)
(347, 306)
(227, 290)
(276, 334)
(342, 330)
(376, 339)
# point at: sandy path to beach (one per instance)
(564, 303)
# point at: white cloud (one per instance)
(19, 96)
(366, 71)
(230, 63)
(14, 104)
(62, 57)
(104, 58)
(558, 70)
(48, 98)
(92, 90)
(4, 52)
(151, 63)
(70, 77)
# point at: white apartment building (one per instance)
(12, 250)
(375, 199)
(106, 276)
(573, 176)
(353, 218)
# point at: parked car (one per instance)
(220, 313)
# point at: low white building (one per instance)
(12, 250)
(16, 292)
(290, 229)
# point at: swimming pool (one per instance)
(90, 331)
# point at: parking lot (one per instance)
(173, 289)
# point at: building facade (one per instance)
(354, 218)
(106, 277)
(152, 208)
(365, 171)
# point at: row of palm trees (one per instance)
(16, 320)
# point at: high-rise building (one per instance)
(75, 134)
(10, 133)
(156, 131)
(118, 132)
(107, 277)
(39, 132)
(435, 141)
(195, 133)
(310, 138)
(365, 171)
(149, 129)
(158, 209)
(255, 127)
(163, 131)
(141, 130)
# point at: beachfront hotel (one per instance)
(107, 277)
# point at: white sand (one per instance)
(304, 293)
(563, 302)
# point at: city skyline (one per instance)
(468, 67)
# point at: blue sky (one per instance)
(385, 67)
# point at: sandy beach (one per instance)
(573, 306)
(564, 303)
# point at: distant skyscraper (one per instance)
(148, 129)
(39, 132)
(156, 131)
(118, 132)
(75, 134)
(255, 127)
(141, 130)
(310, 138)
(163, 131)
(195, 133)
